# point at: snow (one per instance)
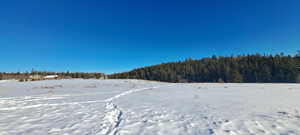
(137, 107)
(4, 81)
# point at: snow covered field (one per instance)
(134, 107)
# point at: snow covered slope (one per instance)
(134, 107)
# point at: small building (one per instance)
(50, 77)
(35, 77)
(103, 77)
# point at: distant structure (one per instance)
(50, 77)
(41, 77)
(103, 77)
(35, 77)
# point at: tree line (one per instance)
(254, 68)
(61, 75)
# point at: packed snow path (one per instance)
(133, 107)
(113, 114)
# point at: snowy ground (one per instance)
(132, 107)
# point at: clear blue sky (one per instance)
(119, 35)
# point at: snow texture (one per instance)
(137, 107)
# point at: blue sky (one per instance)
(119, 35)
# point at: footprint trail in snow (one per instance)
(136, 107)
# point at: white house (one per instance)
(48, 77)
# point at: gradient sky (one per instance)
(119, 35)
